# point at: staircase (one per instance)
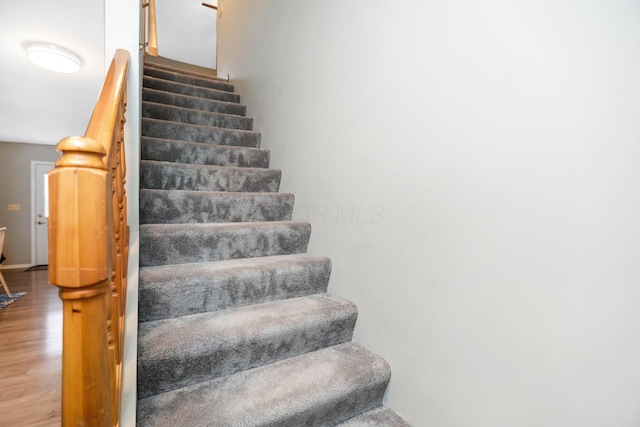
(236, 327)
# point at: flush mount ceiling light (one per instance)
(53, 57)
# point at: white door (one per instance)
(40, 211)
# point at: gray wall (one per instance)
(15, 176)
(472, 169)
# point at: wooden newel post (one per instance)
(79, 265)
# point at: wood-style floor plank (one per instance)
(30, 352)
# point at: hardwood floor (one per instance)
(30, 352)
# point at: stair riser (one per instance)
(187, 79)
(202, 154)
(380, 417)
(160, 245)
(203, 134)
(176, 176)
(203, 290)
(184, 101)
(196, 117)
(208, 74)
(182, 89)
(338, 410)
(237, 346)
(186, 207)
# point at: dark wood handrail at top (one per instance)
(210, 6)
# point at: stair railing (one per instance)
(149, 22)
(88, 252)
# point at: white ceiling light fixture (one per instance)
(53, 57)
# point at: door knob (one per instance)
(41, 222)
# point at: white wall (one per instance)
(492, 151)
(123, 31)
(187, 31)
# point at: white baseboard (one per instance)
(13, 266)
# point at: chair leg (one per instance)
(4, 285)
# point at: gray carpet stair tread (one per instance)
(168, 291)
(159, 111)
(186, 207)
(236, 327)
(181, 77)
(197, 133)
(176, 290)
(162, 244)
(186, 101)
(319, 388)
(379, 417)
(180, 176)
(185, 72)
(176, 353)
(191, 90)
(169, 150)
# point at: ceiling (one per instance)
(39, 106)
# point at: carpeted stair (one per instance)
(236, 327)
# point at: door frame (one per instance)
(35, 163)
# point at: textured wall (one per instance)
(472, 170)
(15, 176)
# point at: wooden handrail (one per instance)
(152, 48)
(210, 6)
(88, 248)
